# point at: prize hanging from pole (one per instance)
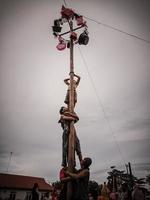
(68, 15)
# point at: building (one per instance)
(18, 187)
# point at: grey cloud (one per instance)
(137, 125)
(32, 88)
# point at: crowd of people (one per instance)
(80, 188)
(123, 193)
(79, 180)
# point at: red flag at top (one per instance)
(66, 12)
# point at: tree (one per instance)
(117, 178)
(93, 188)
(148, 179)
(57, 185)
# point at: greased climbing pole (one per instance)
(71, 142)
(69, 16)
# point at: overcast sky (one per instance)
(113, 95)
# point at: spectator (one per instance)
(35, 192)
(137, 193)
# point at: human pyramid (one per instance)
(66, 117)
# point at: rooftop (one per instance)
(22, 182)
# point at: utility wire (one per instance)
(101, 105)
(116, 29)
(65, 3)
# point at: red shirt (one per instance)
(62, 173)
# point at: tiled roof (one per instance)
(22, 182)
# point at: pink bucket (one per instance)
(61, 46)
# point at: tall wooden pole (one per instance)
(69, 15)
(71, 148)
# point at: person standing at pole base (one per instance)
(64, 179)
(35, 192)
(82, 178)
(137, 193)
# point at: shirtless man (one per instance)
(82, 179)
(75, 84)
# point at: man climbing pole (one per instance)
(65, 119)
(75, 84)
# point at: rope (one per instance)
(102, 107)
(65, 3)
(116, 29)
(113, 28)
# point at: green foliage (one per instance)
(57, 185)
(125, 178)
(148, 179)
(93, 188)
